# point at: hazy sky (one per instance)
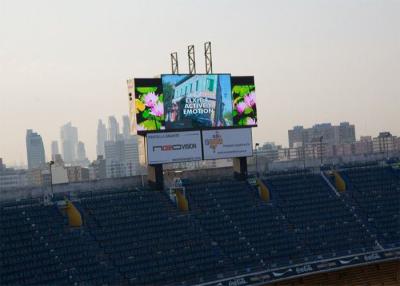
(313, 61)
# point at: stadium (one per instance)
(298, 229)
(331, 225)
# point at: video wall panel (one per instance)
(244, 101)
(149, 105)
(197, 101)
(194, 102)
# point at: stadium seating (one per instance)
(134, 236)
(375, 193)
(37, 248)
(148, 240)
(249, 231)
(326, 227)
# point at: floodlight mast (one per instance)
(208, 57)
(192, 60)
(174, 63)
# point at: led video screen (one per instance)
(192, 102)
(197, 101)
(244, 101)
(149, 105)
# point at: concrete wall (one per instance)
(98, 185)
(112, 183)
(198, 175)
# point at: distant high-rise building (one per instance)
(122, 157)
(384, 143)
(363, 146)
(69, 142)
(11, 178)
(126, 131)
(332, 135)
(97, 168)
(131, 152)
(81, 151)
(268, 150)
(54, 149)
(346, 133)
(324, 130)
(101, 138)
(297, 134)
(114, 151)
(34, 149)
(113, 129)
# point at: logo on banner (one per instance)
(174, 147)
(214, 141)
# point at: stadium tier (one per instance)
(253, 234)
(375, 193)
(325, 226)
(38, 248)
(229, 236)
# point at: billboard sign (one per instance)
(181, 102)
(173, 147)
(227, 143)
(197, 101)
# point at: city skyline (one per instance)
(56, 144)
(119, 134)
(57, 68)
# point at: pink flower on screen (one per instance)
(140, 128)
(250, 99)
(150, 99)
(251, 121)
(241, 106)
(157, 109)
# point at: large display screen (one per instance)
(193, 102)
(197, 101)
(244, 101)
(149, 105)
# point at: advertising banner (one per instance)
(227, 143)
(172, 147)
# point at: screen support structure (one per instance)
(240, 168)
(155, 176)
(174, 63)
(208, 57)
(192, 60)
